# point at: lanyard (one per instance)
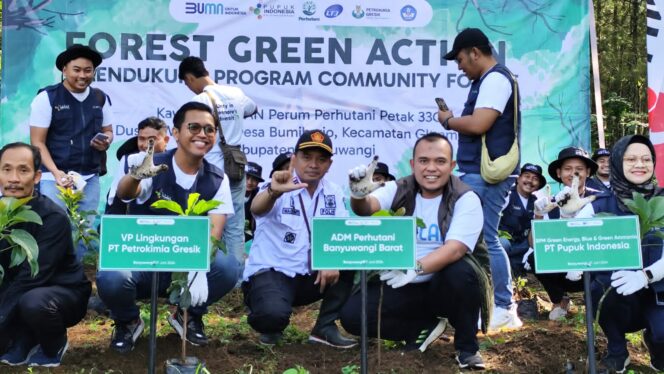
(306, 222)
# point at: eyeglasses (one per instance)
(632, 160)
(195, 128)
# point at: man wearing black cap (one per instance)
(230, 106)
(254, 177)
(489, 111)
(571, 162)
(70, 123)
(382, 173)
(277, 274)
(601, 180)
(518, 213)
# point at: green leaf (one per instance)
(171, 206)
(17, 257)
(202, 207)
(656, 208)
(27, 215)
(382, 213)
(659, 234)
(604, 214)
(185, 299)
(26, 241)
(217, 245)
(504, 234)
(419, 222)
(191, 202)
(174, 296)
(400, 212)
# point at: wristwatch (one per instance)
(649, 275)
(418, 268)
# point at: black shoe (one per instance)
(331, 336)
(125, 335)
(656, 358)
(428, 336)
(195, 328)
(614, 363)
(270, 338)
(472, 361)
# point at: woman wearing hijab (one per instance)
(636, 300)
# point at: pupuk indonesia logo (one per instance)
(408, 13)
(309, 8)
(333, 11)
(257, 10)
(358, 12)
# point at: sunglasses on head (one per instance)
(196, 128)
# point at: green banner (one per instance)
(370, 243)
(154, 243)
(594, 244)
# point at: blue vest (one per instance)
(499, 138)
(73, 125)
(516, 218)
(596, 184)
(651, 244)
(207, 183)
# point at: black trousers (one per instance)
(44, 314)
(271, 295)
(555, 284)
(453, 293)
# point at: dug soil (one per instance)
(541, 346)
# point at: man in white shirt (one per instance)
(278, 274)
(489, 111)
(231, 106)
(70, 123)
(447, 282)
(187, 172)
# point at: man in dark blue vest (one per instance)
(518, 213)
(187, 172)
(490, 111)
(70, 123)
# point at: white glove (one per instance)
(526, 264)
(360, 180)
(574, 275)
(198, 287)
(79, 182)
(657, 270)
(397, 278)
(563, 194)
(543, 206)
(626, 282)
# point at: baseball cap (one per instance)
(314, 139)
(470, 37)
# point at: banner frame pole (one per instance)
(363, 329)
(594, 60)
(153, 324)
(590, 331)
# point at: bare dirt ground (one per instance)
(541, 346)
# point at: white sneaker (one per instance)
(502, 318)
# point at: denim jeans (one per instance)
(493, 197)
(89, 202)
(119, 290)
(233, 235)
(515, 252)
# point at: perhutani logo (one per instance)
(408, 13)
(358, 12)
(309, 8)
(257, 10)
(333, 11)
(203, 8)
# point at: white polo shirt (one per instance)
(281, 240)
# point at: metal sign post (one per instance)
(587, 245)
(154, 244)
(363, 243)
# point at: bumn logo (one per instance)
(333, 11)
(203, 8)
